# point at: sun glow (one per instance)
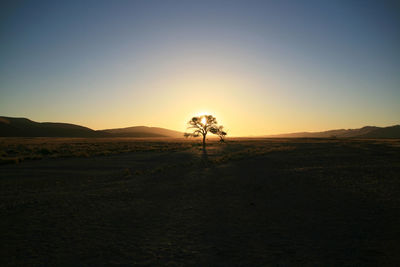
(203, 120)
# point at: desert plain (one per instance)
(157, 202)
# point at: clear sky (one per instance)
(261, 67)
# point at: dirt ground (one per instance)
(248, 202)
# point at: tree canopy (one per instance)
(202, 125)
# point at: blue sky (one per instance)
(262, 67)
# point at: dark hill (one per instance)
(143, 131)
(387, 132)
(364, 132)
(22, 127)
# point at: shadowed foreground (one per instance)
(247, 202)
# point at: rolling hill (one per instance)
(364, 132)
(142, 131)
(22, 127)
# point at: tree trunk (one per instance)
(204, 141)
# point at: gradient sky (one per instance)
(261, 67)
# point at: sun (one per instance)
(203, 120)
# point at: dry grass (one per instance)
(16, 150)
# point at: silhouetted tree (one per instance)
(201, 125)
(220, 132)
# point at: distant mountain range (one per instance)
(365, 132)
(22, 127)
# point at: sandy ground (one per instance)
(243, 203)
